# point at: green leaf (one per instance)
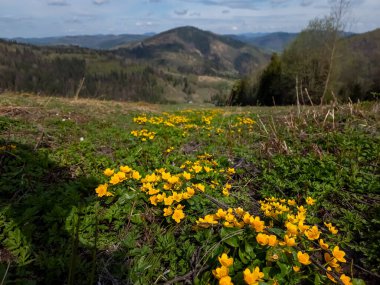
(230, 236)
(357, 281)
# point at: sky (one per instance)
(42, 18)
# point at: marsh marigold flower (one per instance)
(303, 258)
(310, 201)
(108, 172)
(257, 224)
(330, 260)
(323, 245)
(115, 179)
(339, 254)
(345, 279)
(178, 215)
(226, 280)
(220, 272)
(125, 169)
(186, 175)
(288, 241)
(225, 260)
(331, 228)
(262, 239)
(101, 190)
(313, 233)
(272, 240)
(168, 211)
(253, 277)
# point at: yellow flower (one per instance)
(197, 168)
(310, 201)
(247, 218)
(257, 224)
(262, 239)
(186, 175)
(323, 245)
(339, 254)
(303, 258)
(220, 272)
(115, 179)
(330, 260)
(101, 190)
(136, 175)
(345, 279)
(177, 196)
(168, 201)
(221, 213)
(226, 280)
(207, 169)
(272, 240)
(225, 260)
(153, 200)
(230, 170)
(108, 172)
(252, 277)
(190, 191)
(168, 211)
(303, 227)
(291, 202)
(178, 215)
(296, 268)
(313, 233)
(200, 187)
(331, 228)
(153, 191)
(292, 229)
(125, 169)
(330, 277)
(173, 180)
(288, 241)
(121, 175)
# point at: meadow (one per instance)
(105, 192)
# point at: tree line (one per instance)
(59, 71)
(322, 64)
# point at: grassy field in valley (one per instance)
(103, 192)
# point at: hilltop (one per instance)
(191, 50)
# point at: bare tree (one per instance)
(338, 23)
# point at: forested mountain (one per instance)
(322, 65)
(271, 42)
(360, 68)
(183, 64)
(191, 50)
(59, 71)
(86, 41)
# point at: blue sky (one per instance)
(40, 18)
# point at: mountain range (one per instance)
(180, 65)
(268, 41)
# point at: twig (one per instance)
(308, 96)
(6, 273)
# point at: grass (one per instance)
(54, 228)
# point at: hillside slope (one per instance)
(191, 50)
(360, 68)
(272, 42)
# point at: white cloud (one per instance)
(58, 3)
(100, 2)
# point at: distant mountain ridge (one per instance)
(268, 41)
(273, 42)
(86, 41)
